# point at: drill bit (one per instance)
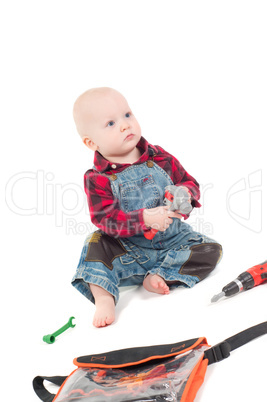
(217, 297)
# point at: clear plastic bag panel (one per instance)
(160, 381)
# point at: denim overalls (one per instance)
(179, 254)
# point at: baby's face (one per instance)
(111, 124)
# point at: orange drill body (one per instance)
(247, 280)
(259, 273)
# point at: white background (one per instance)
(194, 74)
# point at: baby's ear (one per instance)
(89, 143)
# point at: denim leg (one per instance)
(128, 269)
(190, 259)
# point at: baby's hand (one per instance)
(159, 218)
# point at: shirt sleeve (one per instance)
(179, 175)
(105, 210)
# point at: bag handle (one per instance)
(222, 350)
(41, 391)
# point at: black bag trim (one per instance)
(41, 391)
(135, 356)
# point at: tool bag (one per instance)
(172, 372)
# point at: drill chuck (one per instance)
(244, 281)
(232, 288)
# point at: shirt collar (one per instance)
(101, 164)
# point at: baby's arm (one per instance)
(184, 179)
(180, 177)
(105, 210)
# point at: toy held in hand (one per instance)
(178, 199)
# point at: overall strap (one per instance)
(222, 350)
(41, 391)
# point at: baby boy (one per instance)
(125, 191)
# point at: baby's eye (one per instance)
(111, 123)
(127, 114)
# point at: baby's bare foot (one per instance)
(156, 284)
(105, 307)
(105, 311)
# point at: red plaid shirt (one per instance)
(105, 209)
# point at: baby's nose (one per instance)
(124, 126)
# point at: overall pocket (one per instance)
(141, 193)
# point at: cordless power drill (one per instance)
(177, 198)
(247, 280)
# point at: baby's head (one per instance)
(106, 123)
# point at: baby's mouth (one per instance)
(129, 136)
